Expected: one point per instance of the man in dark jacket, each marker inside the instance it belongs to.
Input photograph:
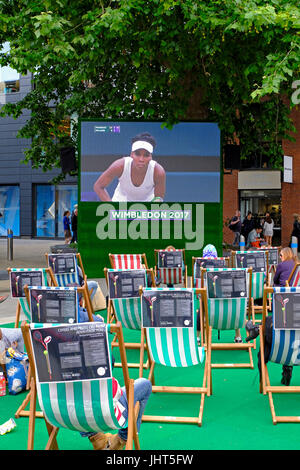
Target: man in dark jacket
(74, 224)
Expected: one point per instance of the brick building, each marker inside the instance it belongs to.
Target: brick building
(261, 190)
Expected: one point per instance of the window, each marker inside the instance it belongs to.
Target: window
(50, 202)
(9, 78)
(9, 210)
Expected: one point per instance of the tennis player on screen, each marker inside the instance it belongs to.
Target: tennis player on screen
(140, 178)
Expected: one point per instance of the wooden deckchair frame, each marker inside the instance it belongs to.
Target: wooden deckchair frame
(87, 300)
(297, 265)
(21, 411)
(265, 386)
(19, 308)
(156, 269)
(142, 255)
(53, 430)
(234, 346)
(204, 390)
(142, 345)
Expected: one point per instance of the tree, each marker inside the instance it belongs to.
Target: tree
(228, 61)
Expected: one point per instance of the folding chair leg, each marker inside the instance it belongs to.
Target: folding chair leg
(52, 442)
(32, 412)
(18, 312)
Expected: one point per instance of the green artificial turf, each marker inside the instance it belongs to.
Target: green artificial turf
(236, 416)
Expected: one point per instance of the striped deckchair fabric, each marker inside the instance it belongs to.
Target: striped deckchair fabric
(128, 261)
(177, 347)
(81, 405)
(229, 314)
(176, 275)
(285, 343)
(285, 348)
(174, 347)
(294, 279)
(128, 312)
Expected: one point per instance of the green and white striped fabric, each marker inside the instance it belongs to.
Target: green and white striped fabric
(80, 406)
(257, 289)
(128, 312)
(85, 406)
(23, 301)
(227, 314)
(174, 347)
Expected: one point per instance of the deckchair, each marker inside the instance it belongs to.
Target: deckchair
(200, 262)
(171, 275)
(294, 277)
(48, 279)
(128, 261)
(127, 311)
(230, 314)
(79, 405)
(21, 411)
(259, 279)
(177, 347)
(64, 279)
(285, 349)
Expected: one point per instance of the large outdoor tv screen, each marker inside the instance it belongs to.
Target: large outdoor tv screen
(145, 161)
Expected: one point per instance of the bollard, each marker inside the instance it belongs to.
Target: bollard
(10, 245)
(242, 243)
(294, 245)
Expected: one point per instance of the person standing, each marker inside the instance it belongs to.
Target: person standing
(296, 229)
(67, 231)
(268, 229)
(236, 226)
(74, 224)
(247, 225)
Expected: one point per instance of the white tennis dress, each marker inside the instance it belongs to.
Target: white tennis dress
(126, 191)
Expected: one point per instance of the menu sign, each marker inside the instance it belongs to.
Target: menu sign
(286, 311)
(208, 263)
(63, 263)
(53, 305)
(170, 259)
(19, 279)
(167, 308)
(252, 259)
(71, 352)
(227, 284)
(125, 283)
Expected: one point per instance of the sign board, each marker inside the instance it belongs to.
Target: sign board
(168, 308)
(288, 169)
(71, 352)
(62, 263)
(226, 284)
(286, 311)
(170, 259)
(19, 279)
(53, 305)
(252, 259)
(125, 283)
(208, 263)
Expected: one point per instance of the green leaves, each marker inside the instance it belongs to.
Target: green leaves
(160, 59)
